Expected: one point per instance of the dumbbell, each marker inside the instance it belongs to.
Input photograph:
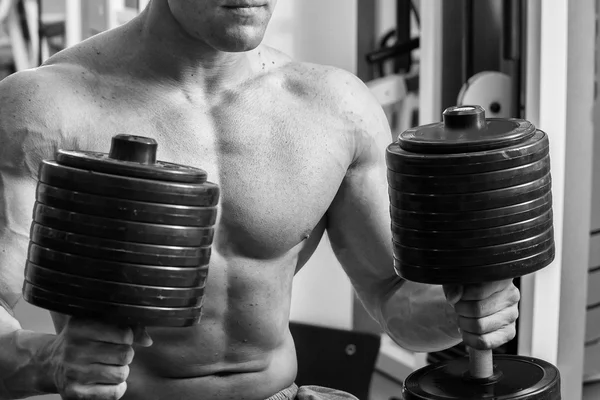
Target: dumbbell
(471, 203)
(121, 236)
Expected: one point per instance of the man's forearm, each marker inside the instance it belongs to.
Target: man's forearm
(419, 318)
(24, 363)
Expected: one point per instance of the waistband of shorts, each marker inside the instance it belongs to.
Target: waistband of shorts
(286, 394)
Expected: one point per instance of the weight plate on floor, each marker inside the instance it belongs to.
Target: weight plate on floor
(474, 256)
(146, 190)
(409, 163)
(118, 313)
(112, 250)
(125, 210)
(519, 378)
(483, 219)
(468, 183)
(126, 231)
(114, 292)
(471, 201)
(465, 129)
(457, 274)
(473, 238)
(151, 275)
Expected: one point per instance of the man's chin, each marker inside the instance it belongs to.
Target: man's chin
(239, 44)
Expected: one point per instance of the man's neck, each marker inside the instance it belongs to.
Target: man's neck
(171, 54)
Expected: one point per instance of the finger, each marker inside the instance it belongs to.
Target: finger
(94, 392)
(107, 353)
(489, 306)
(483, 291)
(480, 326)
(141, 336)
(101, 374)
(490, 340)
(453, 293)
(99, 353)
(90, 329)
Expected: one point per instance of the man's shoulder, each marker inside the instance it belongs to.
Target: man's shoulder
(336, 91)
(328, 86)
(335, 94)
(36, 107)
(47, 87)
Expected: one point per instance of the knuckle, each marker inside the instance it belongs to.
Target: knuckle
(117, 391)
(516, 314)
(479, 326)
(125, 355)
(72, 392)
(483, 342)
(511, 332)
(122, 373)
(125, 335)
(477, 309)
(515, 294)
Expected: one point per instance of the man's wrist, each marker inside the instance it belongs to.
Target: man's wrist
(29, 373)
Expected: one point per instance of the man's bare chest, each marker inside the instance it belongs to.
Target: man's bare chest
(278, 172)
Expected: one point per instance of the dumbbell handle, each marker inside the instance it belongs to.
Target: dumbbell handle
(481, 363)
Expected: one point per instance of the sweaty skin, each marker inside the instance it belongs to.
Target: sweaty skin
(297, 149)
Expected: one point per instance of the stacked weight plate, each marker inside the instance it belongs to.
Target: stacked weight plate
(471, 203)
(121, 236)
(470, 206)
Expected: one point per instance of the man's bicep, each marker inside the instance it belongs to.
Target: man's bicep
(17, 197)
(359, 219)
(27, 137)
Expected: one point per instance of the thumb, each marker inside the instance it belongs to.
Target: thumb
(453, 293)
(141, 336)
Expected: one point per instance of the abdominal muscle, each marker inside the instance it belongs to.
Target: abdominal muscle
(242, 347)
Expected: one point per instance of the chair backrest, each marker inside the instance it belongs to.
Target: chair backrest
(335, 358)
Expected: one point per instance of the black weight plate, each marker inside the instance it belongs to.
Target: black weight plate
(437, 139)
(146, 190)
(482, 219)
(476, 255)
(469, 183)
(112, 250)
(100, 162)
(151, 275)
(519, 378)
(126, 210)
(433, 203)
(113, 292)
(473, 238)
(456, 274)
(118, 313)
(126, 231)
(409, 163)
